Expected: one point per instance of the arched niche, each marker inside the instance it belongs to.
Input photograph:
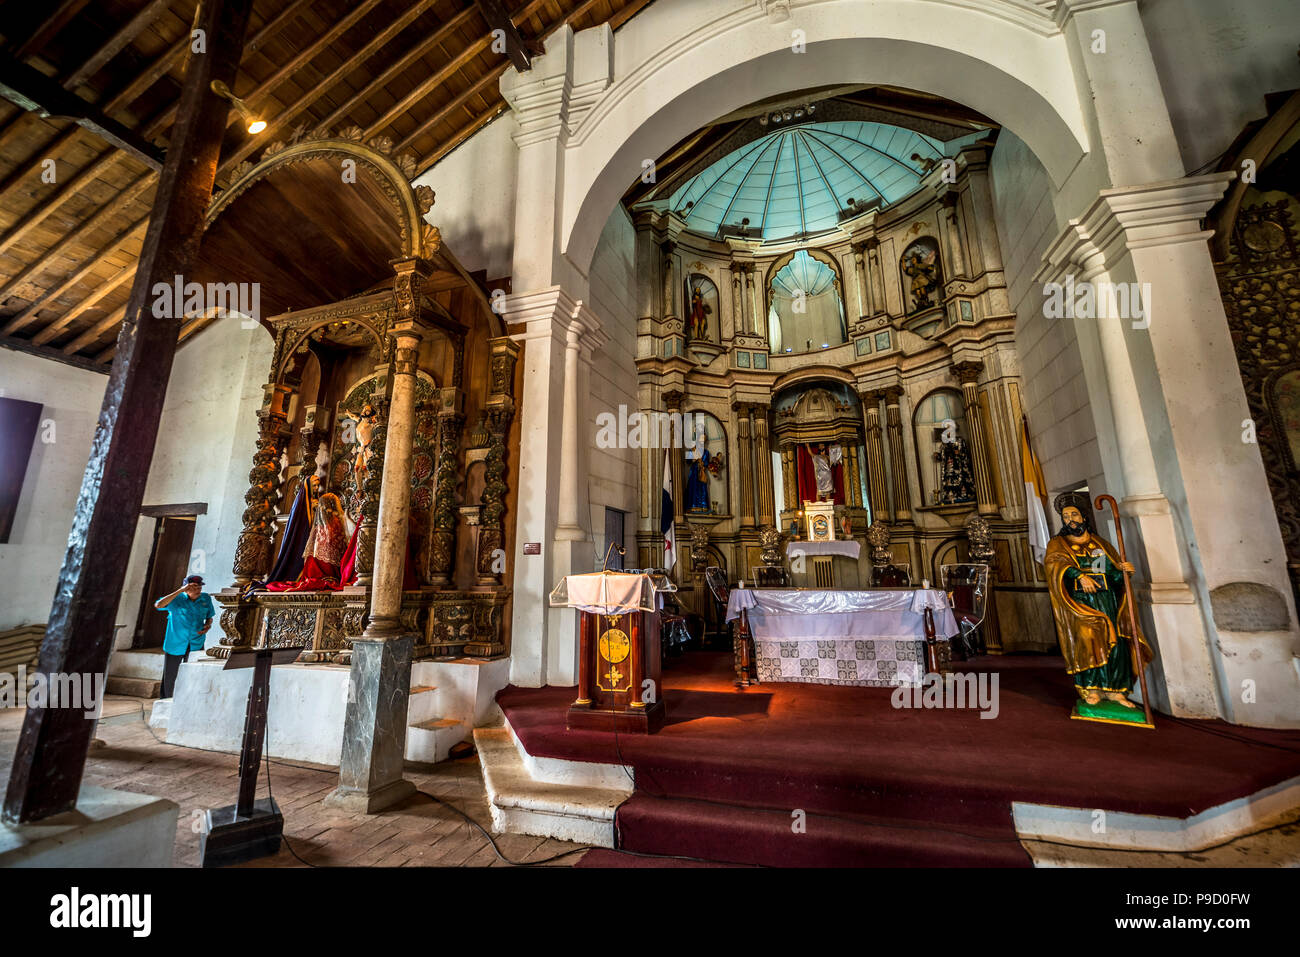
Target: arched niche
(704, 466)
(921, 272)
(943, 448)
(702, 309)
(805, 302)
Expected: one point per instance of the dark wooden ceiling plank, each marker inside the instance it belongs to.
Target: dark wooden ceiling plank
(320, 89)
(484, 82)
(134, 27)
(56, 21)
(420, 48)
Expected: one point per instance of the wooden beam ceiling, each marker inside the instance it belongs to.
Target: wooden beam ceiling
(422, 72)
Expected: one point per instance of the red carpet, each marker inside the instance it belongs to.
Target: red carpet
(886, 786)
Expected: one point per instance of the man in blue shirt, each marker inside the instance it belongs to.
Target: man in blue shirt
(189, 616)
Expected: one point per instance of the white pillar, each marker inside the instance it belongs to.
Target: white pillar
(1195, 493)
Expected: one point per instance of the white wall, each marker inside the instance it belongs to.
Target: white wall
(1216, 62)
(30, 562)
(1055, 392)
(205, 448)
(206, 441)
(614, 474)
(474, 205)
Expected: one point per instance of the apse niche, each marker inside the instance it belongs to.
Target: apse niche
(806, 308)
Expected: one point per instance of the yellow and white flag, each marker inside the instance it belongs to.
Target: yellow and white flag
(1035, 495)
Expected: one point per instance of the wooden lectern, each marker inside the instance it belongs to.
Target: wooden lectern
(619, 686)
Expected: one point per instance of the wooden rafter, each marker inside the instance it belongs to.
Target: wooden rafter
(517, 48)
(421, 97)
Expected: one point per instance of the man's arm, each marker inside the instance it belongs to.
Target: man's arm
(166, 600)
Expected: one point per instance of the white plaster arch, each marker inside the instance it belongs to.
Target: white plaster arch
(664, 88)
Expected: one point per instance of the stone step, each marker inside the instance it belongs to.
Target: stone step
(522, 805)
(135, 687)
(431, 740)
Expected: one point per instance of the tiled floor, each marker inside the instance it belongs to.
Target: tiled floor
(420, 832)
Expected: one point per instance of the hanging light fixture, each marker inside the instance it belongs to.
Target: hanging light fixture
(254, 123)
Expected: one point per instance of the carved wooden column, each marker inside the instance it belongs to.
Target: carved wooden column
(500, 413)
(670, 285)
(745, 475)
(875, 278)
(789, 485)
(967, 374)
(854, 491)
(673, 399)
(442, 542)
(956, 260)
(395, 489)
(865, 306)
(897, 457)
(253, 551)
(737, 300)
(50, 756)
(765, 514)
(371, 487)
(751, 298)
(877, 484)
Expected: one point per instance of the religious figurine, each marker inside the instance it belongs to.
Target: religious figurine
(823, 459)
(921, 265)
(323, 555)
(699, 323)
(697, 483)
(1085, 579)
(365, 431)
(956, 477)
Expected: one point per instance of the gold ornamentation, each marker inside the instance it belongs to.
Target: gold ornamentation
(614, 646)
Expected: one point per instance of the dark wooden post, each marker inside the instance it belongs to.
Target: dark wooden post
(51, 753)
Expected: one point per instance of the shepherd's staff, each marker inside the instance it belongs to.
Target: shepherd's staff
(1135, 641)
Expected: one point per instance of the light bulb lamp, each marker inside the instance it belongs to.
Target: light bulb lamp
(253, 123)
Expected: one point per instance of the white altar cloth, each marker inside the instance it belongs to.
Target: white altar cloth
(848, 548)
(829, 636)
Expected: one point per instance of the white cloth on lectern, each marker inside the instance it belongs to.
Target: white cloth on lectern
(610, 594)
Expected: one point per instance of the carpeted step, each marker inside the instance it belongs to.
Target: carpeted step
(746, 835)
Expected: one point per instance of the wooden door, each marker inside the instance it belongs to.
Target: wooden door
(169, 563)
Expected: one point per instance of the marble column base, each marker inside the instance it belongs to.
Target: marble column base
(357, 801)
(374, 726)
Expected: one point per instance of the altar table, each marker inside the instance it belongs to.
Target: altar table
(825, 636)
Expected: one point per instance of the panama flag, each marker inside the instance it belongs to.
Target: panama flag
(666, 511)
(1035, 494)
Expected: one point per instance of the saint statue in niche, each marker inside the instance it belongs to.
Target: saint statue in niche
(920, 263)
(703, 296)
(823, 460)
(956, 477)
(701, 469)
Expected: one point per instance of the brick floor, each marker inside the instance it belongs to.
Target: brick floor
(421, 832)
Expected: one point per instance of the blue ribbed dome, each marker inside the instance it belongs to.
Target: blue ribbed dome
(796, 180)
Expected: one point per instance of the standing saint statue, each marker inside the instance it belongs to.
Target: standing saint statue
(697, 483)
(699, 323)
(823, 459)
(1085, 579)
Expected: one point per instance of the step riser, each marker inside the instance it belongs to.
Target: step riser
(582, 830)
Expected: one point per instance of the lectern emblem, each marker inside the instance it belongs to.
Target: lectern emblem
(614, 646)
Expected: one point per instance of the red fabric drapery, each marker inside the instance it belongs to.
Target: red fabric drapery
(806, 478)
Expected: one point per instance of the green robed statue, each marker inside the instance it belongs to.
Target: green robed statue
(1085, 578)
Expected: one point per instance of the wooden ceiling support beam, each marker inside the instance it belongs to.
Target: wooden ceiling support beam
(50, 758)
(517, 48)
(33, 90)
(123, 275)
(49, 205)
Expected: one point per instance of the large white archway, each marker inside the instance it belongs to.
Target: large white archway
(664, 89)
